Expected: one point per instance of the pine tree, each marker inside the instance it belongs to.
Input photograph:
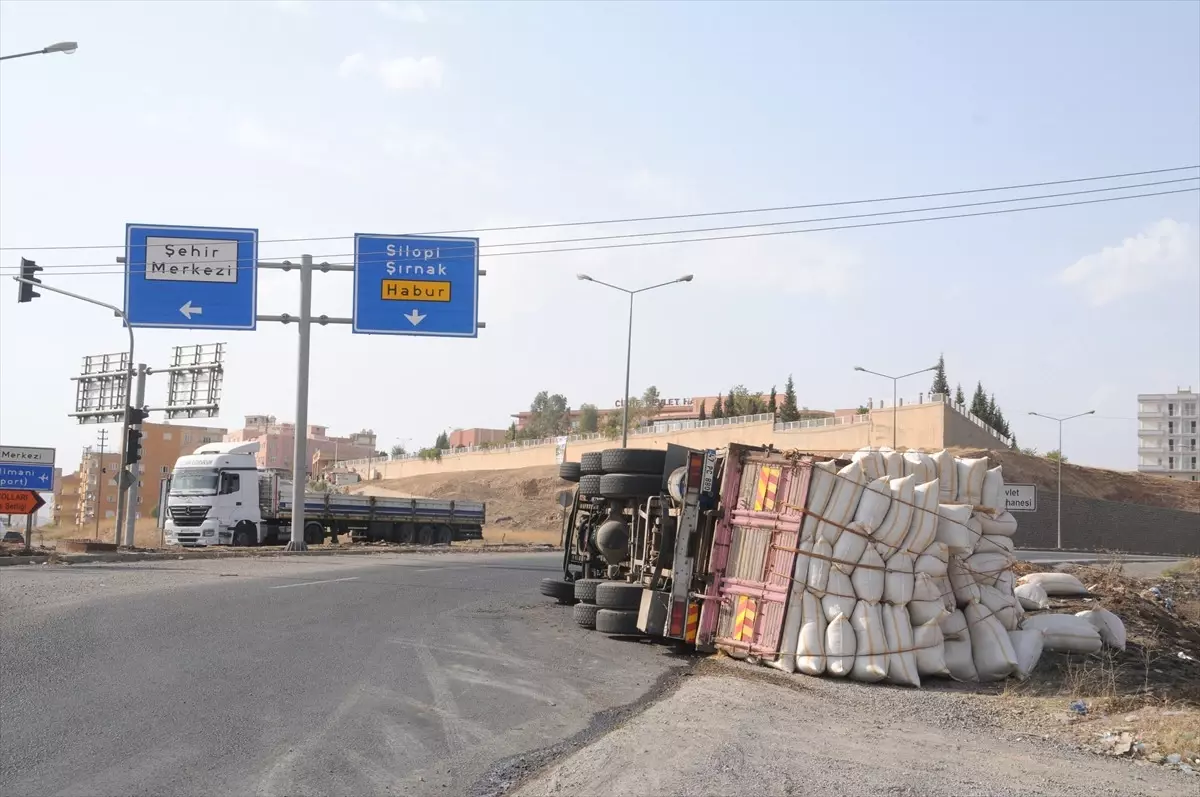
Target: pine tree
(979, 402)
(940, 385)
(442, 442)
(718, 409)
(789, 412)
(702, 416)
(992, 412)
(959, 398)
(772, 406)
(732, 410)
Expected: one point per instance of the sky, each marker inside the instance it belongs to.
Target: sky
(311, 120)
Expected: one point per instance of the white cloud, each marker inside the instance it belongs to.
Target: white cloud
(1163, 252)
(405, 12)
(293, 6)
(409, 74)
(352, 65)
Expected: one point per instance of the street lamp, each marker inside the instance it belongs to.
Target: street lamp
(894, 379)
(1060, 422)
(67, 48)
(629, 341)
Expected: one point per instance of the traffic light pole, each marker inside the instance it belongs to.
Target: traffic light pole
(119, 313)
(136, 426)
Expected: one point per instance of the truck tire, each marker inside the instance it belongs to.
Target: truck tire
(245, 535)
(629, 485)
(426, 535)
(589, 485)
(405, 533)
(445, 535)
(633, 460)
(619, 595)
(585, 590)
(314, 533)
(561, 591)
(590, 464)
(585, 614)
(569, 471)
(617, 622)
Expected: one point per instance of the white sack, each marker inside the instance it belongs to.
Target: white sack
(1032, 596)
(974, 534)
(840, 647)
(868, 578)
(842, 501)
(839, 595)
(954, 625)
(947, 470)
(920, 465)
(1002, 607)
(873, 504)
(1112, 630)
(993, 543)
(947, 589)
(890, 535)
(1001, 525)
(871, 460)
(820, 489)
(930, 650)
(893, 464)
(818, 566)
(810, 653)
(987, 567)
(1055, 584)
(870, 660)
(1065, 633)
(803, 562)
(952, 527)
(902, 659)
(923, 528)
(1027, 644)
(991, 648)
(970, 481)
(922, 612)
(1005, 582)
(898, 584)
(993, 489)
(959, 658)
(850, 547)
(933, 560)
(962, 582)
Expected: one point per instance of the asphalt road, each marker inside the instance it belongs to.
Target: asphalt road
(403, 675)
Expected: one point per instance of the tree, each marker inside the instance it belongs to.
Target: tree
(979, 402)
(1055, 456)
(772, 407)
(940, 385)
(398, 451)
(442, 442)
(589, 418)
(381, 454)
(719, 408)
(992, 412)
(789, 411)
(959, 398)
(732, 410)
(549, 416)
(862, 410)
(511, 434)
(702, 416)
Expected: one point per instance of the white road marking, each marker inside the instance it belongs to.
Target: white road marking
(311, 583)
(445, 567)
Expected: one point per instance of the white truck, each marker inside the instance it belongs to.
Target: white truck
(218, 496)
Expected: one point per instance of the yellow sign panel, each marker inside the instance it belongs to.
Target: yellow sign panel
(415, 290)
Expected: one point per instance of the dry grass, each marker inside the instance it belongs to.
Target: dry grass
(498, 535)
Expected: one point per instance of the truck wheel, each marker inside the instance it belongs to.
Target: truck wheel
(589, 485)
(445, 535)
(569, 471)
(426, 535)
(245, 534)
(590, 464)
(633, 460)
(617, 622)
(314, 533)
(629, 485)
(585, 614)
(585, 589)
(405, 533)
(619, 595)
(561, 591)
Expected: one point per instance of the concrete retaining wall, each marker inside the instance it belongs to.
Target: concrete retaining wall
(1090, 524)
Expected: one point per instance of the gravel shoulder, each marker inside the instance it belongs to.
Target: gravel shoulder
(733, 729)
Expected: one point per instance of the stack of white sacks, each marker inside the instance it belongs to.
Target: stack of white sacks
(905, 571)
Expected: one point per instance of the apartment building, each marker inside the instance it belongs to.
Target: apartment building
(1169, 434)
(276, 443)
(96, 490)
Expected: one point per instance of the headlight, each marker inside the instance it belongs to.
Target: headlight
(209, 532)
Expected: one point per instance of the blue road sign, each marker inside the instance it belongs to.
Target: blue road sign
(26, 477)
(191, 277)
(416, 285)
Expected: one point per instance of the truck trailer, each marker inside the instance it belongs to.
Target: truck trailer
(218, 496)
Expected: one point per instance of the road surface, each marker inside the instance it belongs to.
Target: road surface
(389, 674)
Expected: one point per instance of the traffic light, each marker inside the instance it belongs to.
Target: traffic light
(133, 437)
(28, 270)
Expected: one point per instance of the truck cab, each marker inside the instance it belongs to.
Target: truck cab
(213, 497)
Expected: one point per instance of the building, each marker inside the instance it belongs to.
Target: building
(162, 444)
(277, 441)
(66, 497)
(1168, 434)
(464, 438)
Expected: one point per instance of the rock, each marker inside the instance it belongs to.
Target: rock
(1174, 759)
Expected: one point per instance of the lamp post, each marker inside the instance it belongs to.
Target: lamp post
(629, 341)
(895, 380)
(1060, 422)
(67, 48)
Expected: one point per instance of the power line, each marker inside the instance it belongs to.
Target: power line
(452, 249)
(640, 219)
(770, 233)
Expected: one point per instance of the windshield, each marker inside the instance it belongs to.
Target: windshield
(193, 481)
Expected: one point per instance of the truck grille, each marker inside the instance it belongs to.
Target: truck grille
(188, 515)
(188, 537)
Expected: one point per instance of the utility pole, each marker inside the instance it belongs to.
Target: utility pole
(99, 483)
(134, 432)
(1060, 422)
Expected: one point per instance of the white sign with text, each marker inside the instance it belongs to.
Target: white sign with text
(1020, 497)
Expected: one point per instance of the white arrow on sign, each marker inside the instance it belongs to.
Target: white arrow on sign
(415, 317)
(188, 311)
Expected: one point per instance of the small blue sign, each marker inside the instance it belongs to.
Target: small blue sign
(26, 477)
(191, 277)
(416, 285)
